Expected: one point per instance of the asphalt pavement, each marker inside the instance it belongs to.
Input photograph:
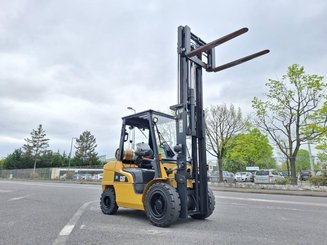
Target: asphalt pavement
(62, 213)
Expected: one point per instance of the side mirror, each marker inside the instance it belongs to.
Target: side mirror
(168, 150)
(117, 154)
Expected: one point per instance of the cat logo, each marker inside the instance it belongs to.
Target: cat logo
(120, 178)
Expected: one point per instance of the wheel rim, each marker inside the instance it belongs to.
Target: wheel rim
(158, 205)
(107, 201)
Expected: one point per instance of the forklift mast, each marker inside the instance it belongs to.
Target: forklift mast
(194, 55)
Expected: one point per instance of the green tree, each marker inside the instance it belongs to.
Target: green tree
(251, 149)
(222, 124)
(37, 145)
(49, 159)
(302, 160)
(17, 160)
(292, 112)
(285, 167)
(59, 160)
(2, 161)
(234, 166)
(85, 149)
(13, 159)
(322, 157)
(20, 160)
(55, 159)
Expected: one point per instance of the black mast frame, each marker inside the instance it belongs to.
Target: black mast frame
(194, 54)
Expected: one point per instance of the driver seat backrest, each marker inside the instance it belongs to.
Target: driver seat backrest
(141, 177)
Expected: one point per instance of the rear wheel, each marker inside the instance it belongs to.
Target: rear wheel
(211, 208)
(108, 202)
(162, 204)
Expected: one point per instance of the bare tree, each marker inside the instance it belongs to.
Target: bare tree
(222, 123)
(37, 144)
(292, 112)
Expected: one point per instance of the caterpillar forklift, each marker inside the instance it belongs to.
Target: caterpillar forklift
(161, 165)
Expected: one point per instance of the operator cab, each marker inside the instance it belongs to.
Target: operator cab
(145, 136)
(146, 139)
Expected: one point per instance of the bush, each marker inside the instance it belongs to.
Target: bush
(319, 180)
(283, 181)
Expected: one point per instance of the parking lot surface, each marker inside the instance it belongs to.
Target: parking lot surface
(59, 213)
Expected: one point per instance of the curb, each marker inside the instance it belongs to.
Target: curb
(276, 192)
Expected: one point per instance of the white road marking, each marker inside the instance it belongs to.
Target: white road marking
(155, 232)
(124, 229)
(273, 201)
(69, 227)
(238, 204)
(95, 208)
(55, 185)
(281, 208)
(66, 230)
(241, 205)
(82, 227)
(5, 191)
(17, 198)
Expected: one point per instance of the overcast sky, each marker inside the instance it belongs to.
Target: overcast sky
(77, 65)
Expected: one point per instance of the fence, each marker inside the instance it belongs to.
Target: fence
(52, 173)
(42, 173)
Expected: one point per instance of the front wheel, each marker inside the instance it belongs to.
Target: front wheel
(108, 202)
(211, 208)
(162, 204)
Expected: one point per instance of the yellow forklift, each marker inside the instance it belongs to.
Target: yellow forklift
(162, 168)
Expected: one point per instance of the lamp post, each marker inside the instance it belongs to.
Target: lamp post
(310, 159)
(133, 132)
(70, 153)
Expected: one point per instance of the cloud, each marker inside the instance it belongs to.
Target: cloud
(77, 65)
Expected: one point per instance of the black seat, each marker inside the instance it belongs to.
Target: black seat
(141, 177)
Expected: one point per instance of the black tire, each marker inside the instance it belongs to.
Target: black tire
(108, 202)
(162, 204)
(212, 204)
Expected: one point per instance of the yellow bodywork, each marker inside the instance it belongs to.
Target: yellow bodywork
(124, 190)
